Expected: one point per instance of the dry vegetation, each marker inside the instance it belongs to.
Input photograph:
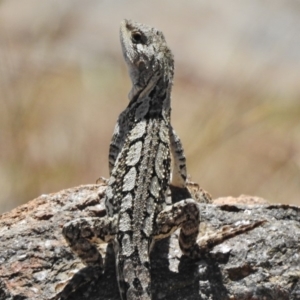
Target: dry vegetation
(63, 83)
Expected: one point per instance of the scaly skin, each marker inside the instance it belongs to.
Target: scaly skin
(140, 173)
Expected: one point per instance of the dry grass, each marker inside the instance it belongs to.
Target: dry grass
(58, 112)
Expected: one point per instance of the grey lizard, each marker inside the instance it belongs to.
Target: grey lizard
(142, 148)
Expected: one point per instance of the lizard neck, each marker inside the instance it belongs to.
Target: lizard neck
(157, 93)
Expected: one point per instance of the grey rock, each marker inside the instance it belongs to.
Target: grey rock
(263, 263)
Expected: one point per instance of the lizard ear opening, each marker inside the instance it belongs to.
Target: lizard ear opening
(141, 66)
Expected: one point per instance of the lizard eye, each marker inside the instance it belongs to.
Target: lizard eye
(137, 37)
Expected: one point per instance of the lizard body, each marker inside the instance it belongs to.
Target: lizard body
(140, 154)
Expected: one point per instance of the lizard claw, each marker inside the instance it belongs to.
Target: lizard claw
(102, 180)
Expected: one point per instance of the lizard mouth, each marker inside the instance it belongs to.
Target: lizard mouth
(125, 29)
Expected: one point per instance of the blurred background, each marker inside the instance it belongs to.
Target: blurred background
(236, 95)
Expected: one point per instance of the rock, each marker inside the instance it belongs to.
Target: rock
(263, 263)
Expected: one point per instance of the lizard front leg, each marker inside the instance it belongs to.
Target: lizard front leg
(179, 182)
(179, 172)
(118, 138)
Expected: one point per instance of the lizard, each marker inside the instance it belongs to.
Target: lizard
(141, 151)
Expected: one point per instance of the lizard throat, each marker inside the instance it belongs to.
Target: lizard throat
(153, 89)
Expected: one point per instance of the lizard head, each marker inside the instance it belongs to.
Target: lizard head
(146, 53)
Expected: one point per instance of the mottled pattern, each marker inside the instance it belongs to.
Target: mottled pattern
(140, 173)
